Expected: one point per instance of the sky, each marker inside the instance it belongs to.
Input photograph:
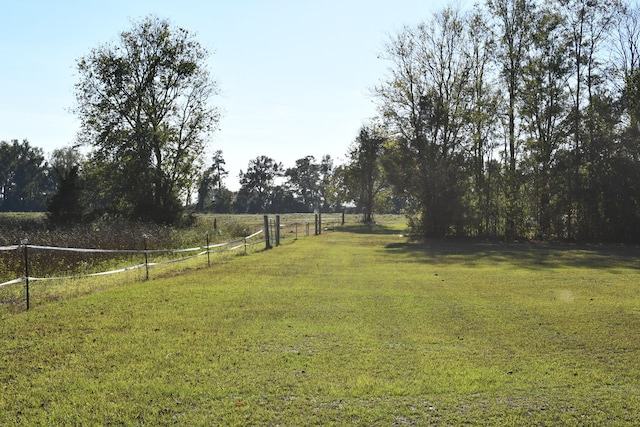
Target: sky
(295, 76)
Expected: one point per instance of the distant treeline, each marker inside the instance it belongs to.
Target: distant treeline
(511, 119)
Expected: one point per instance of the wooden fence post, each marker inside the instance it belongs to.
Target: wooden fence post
(266, 232)
(277, 230)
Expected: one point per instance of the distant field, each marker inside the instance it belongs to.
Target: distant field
(353, 327)
(121, 234)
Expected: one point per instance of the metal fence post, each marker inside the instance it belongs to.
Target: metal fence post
(208, 253)
(146, 256)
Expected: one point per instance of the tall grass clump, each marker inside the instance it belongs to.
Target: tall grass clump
(120, 234)
(103, 233)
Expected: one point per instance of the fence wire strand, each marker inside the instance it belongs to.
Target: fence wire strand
(203, 250)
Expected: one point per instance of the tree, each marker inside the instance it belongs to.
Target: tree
(514, 33)
(257, 184)
(335, 189)
(483, 116)
(143, 106)
(364, 174)
(544, 109)
(218, 170)
(587, 27)
(66, 205)
(24, 179)
(326, 173)
(425, 104)
(306, 180)
(210, 183)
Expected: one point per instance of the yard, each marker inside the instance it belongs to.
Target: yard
(358, 326)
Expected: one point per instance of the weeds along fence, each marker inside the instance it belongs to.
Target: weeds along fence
(114, 261)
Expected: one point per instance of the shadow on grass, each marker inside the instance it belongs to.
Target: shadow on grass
(368, 229)
(529, 255)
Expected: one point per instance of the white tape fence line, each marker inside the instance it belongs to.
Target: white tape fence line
(203, 250)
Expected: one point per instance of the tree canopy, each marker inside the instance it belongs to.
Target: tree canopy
(144, 108)
(25, 181)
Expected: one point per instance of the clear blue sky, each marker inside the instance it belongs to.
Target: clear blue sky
(295, 75)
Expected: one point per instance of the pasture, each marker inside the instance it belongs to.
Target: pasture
(357, 326)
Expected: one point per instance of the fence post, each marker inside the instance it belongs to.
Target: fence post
(146, 257)
(277, 230)
(342, 216)
(25, 242)
(208, 254)
(245, 240)
(272, 234)
(266, 232)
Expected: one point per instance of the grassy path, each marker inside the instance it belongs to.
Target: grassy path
(341, 329)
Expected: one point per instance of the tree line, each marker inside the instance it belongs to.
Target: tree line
(144, 108)
(65, 186)
(514, 118)
(517, 118)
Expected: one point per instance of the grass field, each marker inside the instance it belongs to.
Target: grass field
(119, 234)
(353, 327)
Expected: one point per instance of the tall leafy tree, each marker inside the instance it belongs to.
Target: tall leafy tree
(211, 182)
(587, 27)
(25, 182)
(144, 107)
(307, 180)
(258, 184)
(326, 173)
(483, 117)
(335, 189)
(364, 174)
(425, 102)
(544, 109)
(66, 205)
(566, 94)
(513, 21)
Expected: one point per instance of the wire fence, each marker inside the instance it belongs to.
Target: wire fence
(270, 235)
(185, 254)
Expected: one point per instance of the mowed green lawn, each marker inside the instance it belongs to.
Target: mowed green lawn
(353, 327)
